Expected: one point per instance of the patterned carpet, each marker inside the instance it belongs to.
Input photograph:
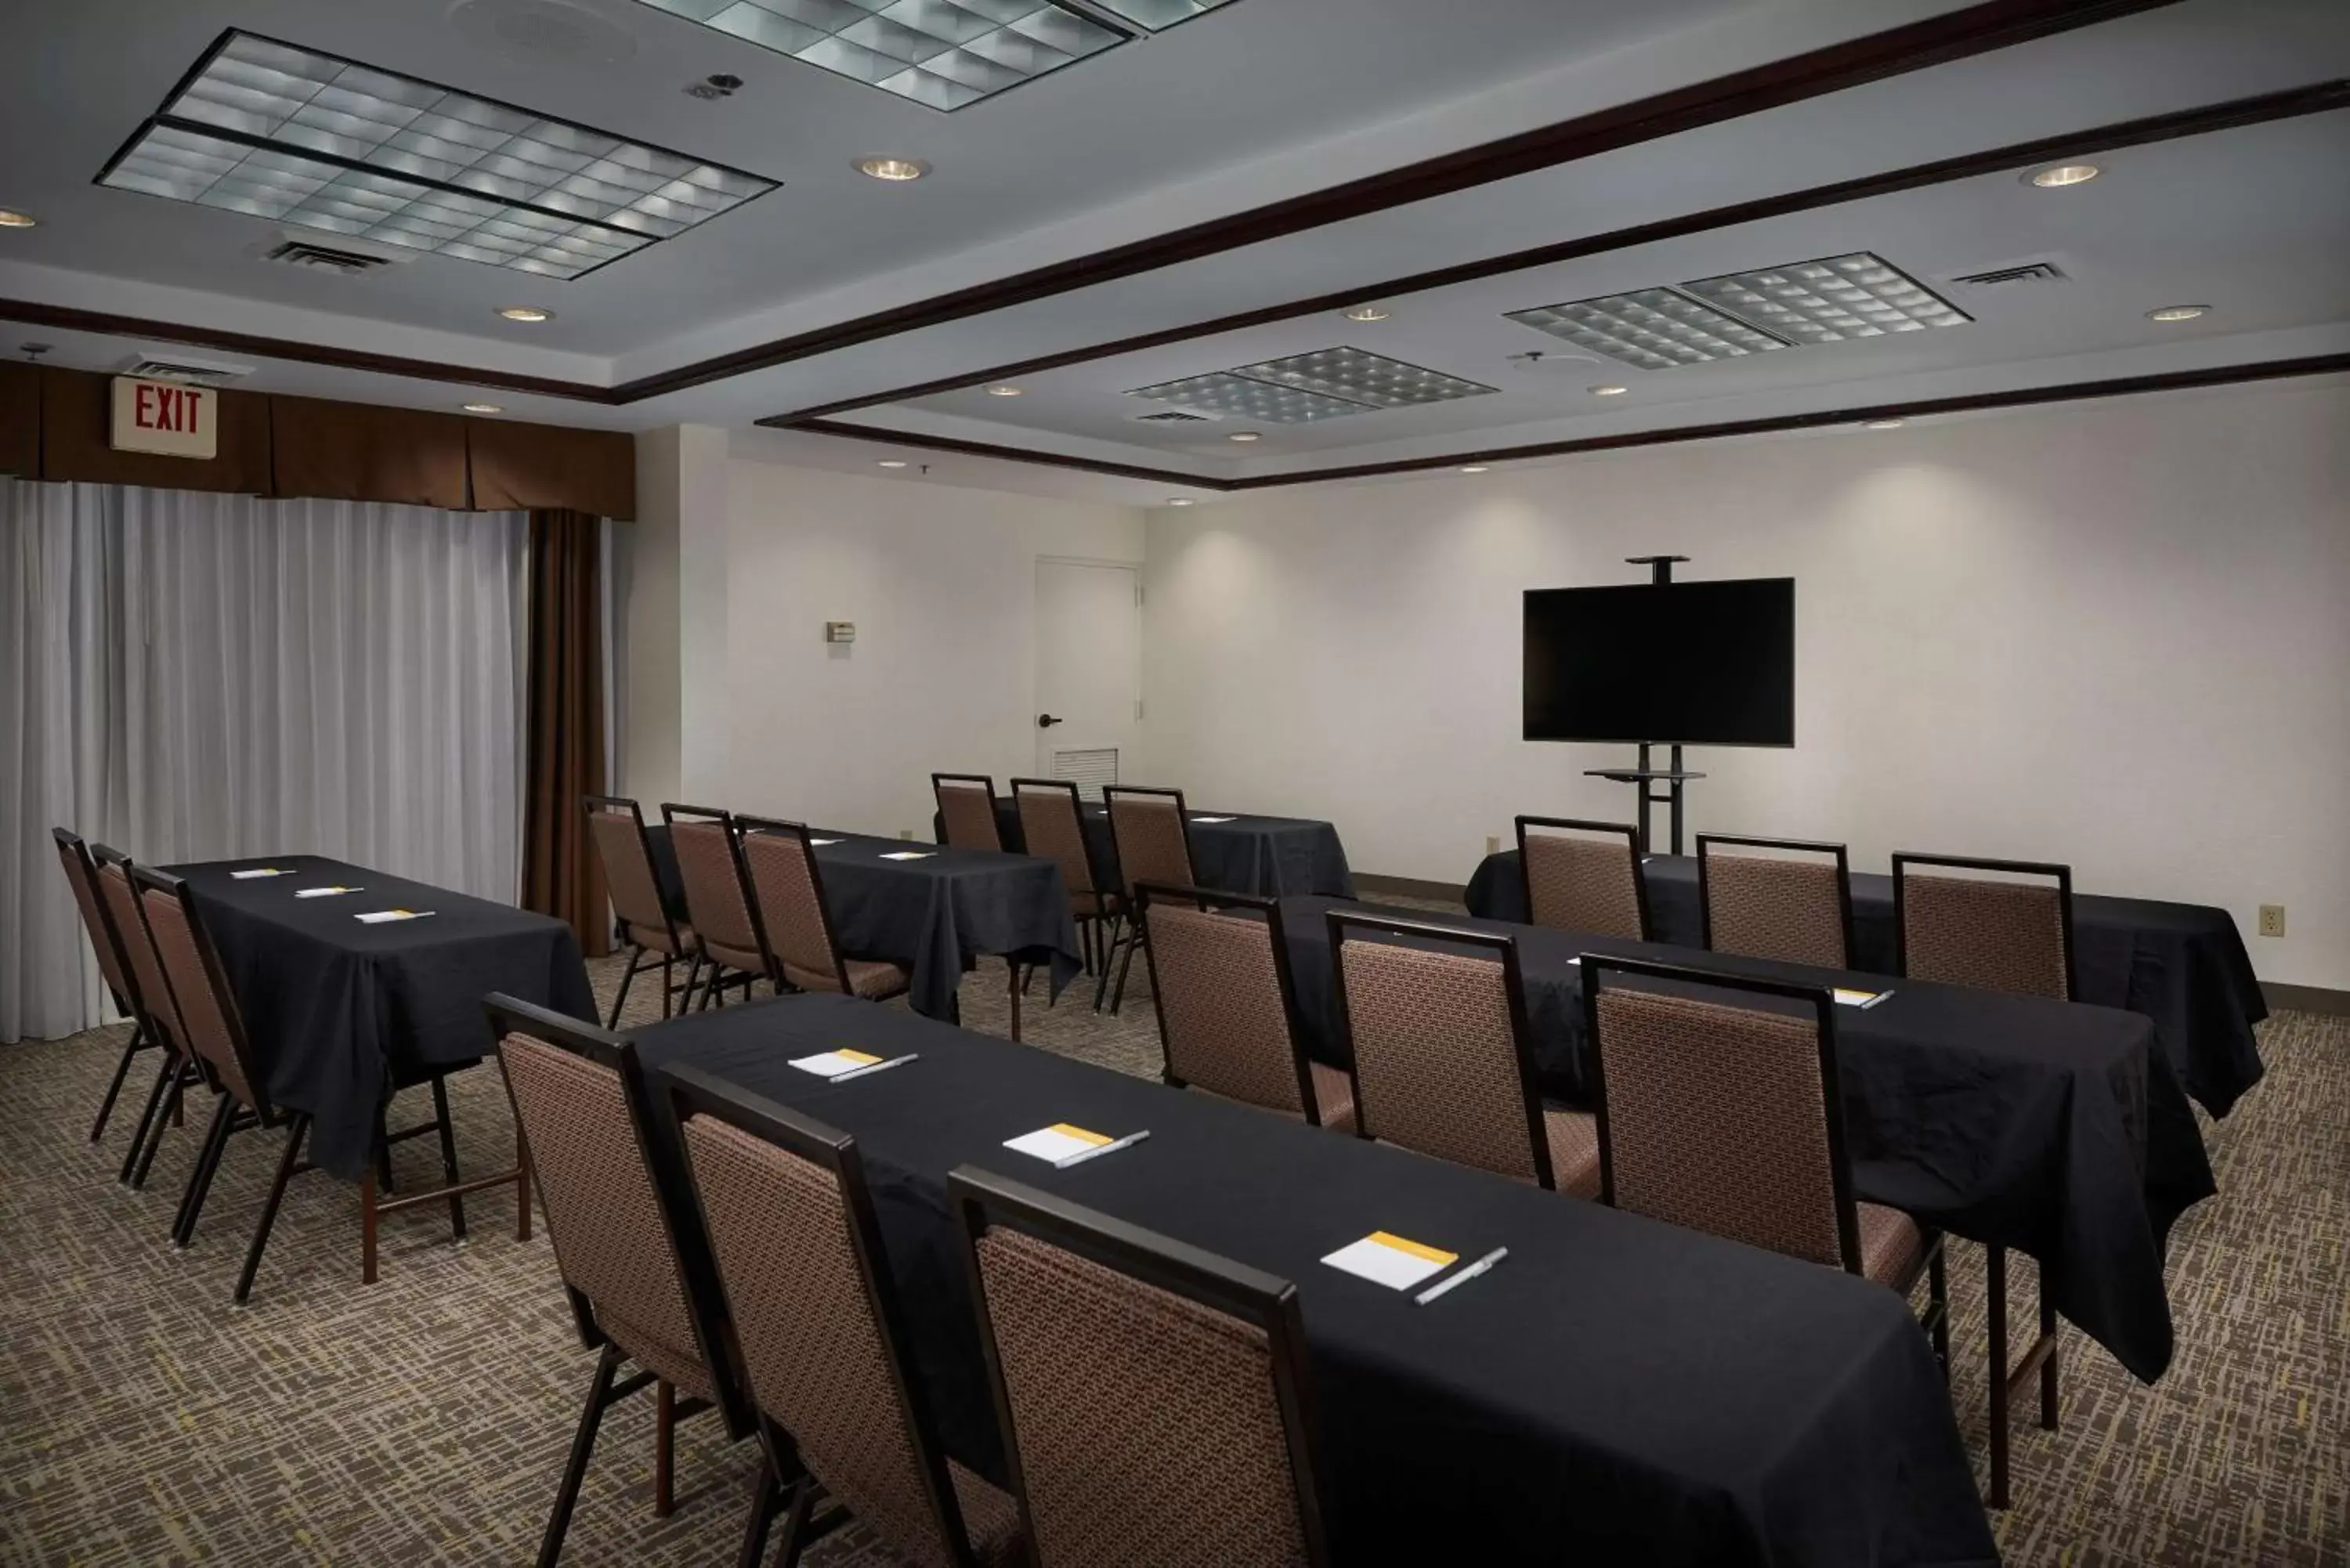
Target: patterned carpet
(144, 1421)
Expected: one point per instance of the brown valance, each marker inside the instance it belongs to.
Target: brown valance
(551, 467)
(56, 424)
(356, 452)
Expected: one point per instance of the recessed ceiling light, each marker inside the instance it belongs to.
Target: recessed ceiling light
(896, 170)
(1329, 383)
(484, 409)
(9, 219)
(526, 312)
(1367, 313)
(1006, 390)
(1178, 501)
(2065, 174)
(1830, 301)
(299, 136)
(1649, 329)
(1609, 391)
(2177, 313)
(1885, 424)
(1474, 468)
(891, 462)
(1244, 435)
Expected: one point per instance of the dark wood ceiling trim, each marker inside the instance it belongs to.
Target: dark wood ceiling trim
(1914, 408)
(1937, 41)
(2318, 98)
(65, 318)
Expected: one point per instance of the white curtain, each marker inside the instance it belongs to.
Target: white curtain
(191, 677)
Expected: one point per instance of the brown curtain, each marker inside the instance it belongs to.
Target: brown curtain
(560, 874)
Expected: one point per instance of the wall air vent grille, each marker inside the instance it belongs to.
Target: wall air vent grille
(324, 258)
(1174, 417)
(2029, 272)
(193, 374)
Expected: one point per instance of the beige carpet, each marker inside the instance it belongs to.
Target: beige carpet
(143, 1421)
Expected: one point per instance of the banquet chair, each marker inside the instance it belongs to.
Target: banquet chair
(1155, 1400)
(1053, 827)
(1227, 1007)
(719, 906)
(793, 923)
(1149, 829)
(967, 810)
(114, 967)
(840, 1406)
(150, 993)
(2000, 925)
(1789, 905)
(1721, 1111)
(1439, 1043)
(1584, 877)
(617, 827)
(627, 1236)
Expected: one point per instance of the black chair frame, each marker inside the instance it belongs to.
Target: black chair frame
(72, 845)
(983, 1201)
(182, 1070)
(1093, 929)
(2059, 874)
(1125, 885)
(1631, 835)
(638, 954)
(1269, 911)
(986, 781)
(1493, 944)
(713, 992)
(1705, 843)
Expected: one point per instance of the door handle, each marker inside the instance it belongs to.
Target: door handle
(1046, 721)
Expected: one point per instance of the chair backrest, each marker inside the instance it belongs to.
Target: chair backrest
(967, 810)
(815, 1312)
(81, 876)
(150, 992)
(1052, 827)
(211, 1025)
(1721, 1116)
(2008, 926)
(627, 1235)
(1227, 1010)
(1148, 827)
(1154, 1397)
(1790, 904)
(788, 890)
(1584, 876)
(617, 827)
(717, 892)
(1440, 1042)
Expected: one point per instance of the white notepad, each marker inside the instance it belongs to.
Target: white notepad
(909, 854)
(1389, 1260)
(1057, 1142)
(823, 841)
(378, 917)
(260, 871)
(1845, 998)
(1211, 819)
(833, 1063)
(325, 892)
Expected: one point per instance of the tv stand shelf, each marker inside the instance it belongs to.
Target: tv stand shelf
(1639, 775)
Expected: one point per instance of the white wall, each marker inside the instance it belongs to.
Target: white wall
(2112, 633)
(940, 583)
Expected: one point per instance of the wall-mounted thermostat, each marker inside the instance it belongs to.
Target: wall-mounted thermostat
(840, 631)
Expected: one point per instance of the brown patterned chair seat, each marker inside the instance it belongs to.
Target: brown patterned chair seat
(991, 1519)
(737, 958)
(1891, 1246)
(869, 978)
(1333, 1098)
(657, 938)
(681, 1368)
(1573, 1139)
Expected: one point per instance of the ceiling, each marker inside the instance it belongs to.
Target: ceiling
(1255, 102)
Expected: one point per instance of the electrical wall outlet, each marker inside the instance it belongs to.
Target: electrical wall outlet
(1492, 843)
(906, 833)
(2271, 919)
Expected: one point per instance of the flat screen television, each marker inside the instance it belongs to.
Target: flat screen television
(1710, 664)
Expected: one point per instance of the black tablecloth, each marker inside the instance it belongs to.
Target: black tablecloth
(1271, 857)
(2056, 1128)
(932, 915)
(2182, 965)
(342, 1013)
(1616, 1391)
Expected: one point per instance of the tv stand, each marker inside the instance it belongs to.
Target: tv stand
(1674, 778)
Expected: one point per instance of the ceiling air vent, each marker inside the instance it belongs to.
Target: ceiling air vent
(1174, 417)
(195, 372)
(324, 258)
(2028, 272)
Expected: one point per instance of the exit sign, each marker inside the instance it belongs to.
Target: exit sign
(165, 416)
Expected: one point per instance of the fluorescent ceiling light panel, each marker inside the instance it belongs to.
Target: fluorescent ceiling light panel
(1363, 377)
(1157, 14)
(941, 53)
(1226, 392)
(303, 138)
(1830, 301)
(1653, 328)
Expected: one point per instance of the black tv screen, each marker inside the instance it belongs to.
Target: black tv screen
(1694, 663)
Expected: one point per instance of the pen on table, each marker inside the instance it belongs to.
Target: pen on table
(876, 1068)
(1470, 1272)
(1084, 1155)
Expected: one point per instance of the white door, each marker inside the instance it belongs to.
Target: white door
(1088, 670)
